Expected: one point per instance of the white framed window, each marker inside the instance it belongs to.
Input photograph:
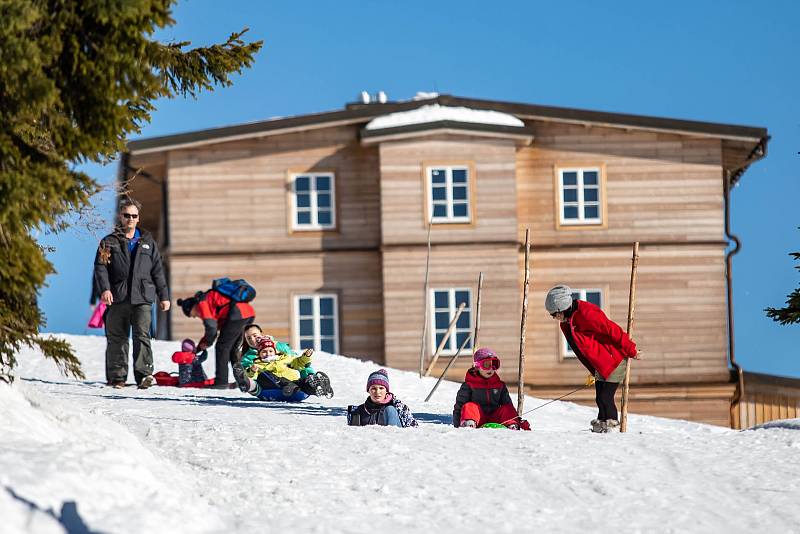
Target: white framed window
(316, 322)
(579, 196)
(444, 303)
(313, 201)
(595, 296)
(448, 193)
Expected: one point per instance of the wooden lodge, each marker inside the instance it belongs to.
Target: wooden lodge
(327, 216)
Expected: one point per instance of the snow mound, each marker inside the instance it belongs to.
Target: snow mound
(437, 112)
(180, 460)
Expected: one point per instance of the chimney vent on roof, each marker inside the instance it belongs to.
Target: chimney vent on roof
(379, 98)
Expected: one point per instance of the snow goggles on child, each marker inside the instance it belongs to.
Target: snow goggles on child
(488, 363)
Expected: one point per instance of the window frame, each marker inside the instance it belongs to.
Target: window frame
(451, 347)
(601, 221)
(314, 225)
(315, 316)
(450, 219)
(566, 352)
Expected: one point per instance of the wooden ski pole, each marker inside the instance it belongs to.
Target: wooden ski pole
(478, 310)
(447, 334)
(427, 304)
(449, 364)
(623, 424)
(523, 325)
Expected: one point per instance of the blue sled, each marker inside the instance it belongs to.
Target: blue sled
(277, 395)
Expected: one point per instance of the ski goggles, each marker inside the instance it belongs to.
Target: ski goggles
(487, 364)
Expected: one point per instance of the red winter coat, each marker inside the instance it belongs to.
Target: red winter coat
(598, 342)
(488, 393)
(216, 309)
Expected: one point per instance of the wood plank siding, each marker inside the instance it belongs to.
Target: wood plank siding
(278, 277)
(234, 196)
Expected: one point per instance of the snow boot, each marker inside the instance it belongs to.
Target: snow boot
(117, 384)
(468, 423)
(324, 384)
(147, 382)
(289, 389)
(597, 426)
(610, 426)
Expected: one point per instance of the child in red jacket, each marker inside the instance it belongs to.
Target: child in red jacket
(483, 397)
(599, 344)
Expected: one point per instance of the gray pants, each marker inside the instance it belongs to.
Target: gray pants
(120, 318)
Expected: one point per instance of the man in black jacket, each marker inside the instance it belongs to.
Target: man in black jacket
(129, 275)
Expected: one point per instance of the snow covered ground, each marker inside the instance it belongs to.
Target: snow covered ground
(77, 456)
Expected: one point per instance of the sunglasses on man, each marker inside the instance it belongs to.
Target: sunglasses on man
(131, 215)
(489, 363)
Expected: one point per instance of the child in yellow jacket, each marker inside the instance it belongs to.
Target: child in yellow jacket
(270, 369)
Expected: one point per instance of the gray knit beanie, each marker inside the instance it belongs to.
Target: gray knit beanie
(558, 299)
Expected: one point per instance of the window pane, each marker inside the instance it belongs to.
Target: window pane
(306, 344)
(570, 195)
(439, 338)
(440, 210)
(326, 345)
(460, 337)
(459, 176)
(437, 176)
(324, 200)
(442, 320)
(306, 307)
(439, 193)
(591, 212)
(463, 320)
(570, 178)
(303, 200)
(459, 193)
(324, 217)
(570, 212)
(459, 210)
(590, 194)
(326, 327)
(326, 306)
(593, 297)
(303, 217)
(302, 183)
(440, 299)
(462, 296)
(590, 178)
(323, 183)
(306, 327)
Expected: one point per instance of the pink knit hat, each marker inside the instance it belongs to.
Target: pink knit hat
(378, 378)
(187, 345)
(485, 353)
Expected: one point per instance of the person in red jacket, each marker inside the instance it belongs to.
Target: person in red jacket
(483, 397)
(224, 320)
(599, 344)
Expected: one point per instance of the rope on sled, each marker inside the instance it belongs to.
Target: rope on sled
(546, 403)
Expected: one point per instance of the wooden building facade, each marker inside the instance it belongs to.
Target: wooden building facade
(327, 215)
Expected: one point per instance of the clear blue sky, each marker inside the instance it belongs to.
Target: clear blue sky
(732, 62)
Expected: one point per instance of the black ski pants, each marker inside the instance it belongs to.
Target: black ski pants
(604, 396)
(120, 318)
(227, 350)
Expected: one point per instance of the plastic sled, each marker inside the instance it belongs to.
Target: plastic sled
(164, 378)
(277, 395)
(493, 425)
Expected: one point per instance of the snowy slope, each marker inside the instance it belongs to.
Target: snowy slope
(168, 459)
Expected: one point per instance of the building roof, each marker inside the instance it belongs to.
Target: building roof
(362, 113)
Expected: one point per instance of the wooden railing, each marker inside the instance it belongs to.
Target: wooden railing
(766, 398)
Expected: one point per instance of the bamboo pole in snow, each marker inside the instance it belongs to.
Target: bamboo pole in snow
(427, 305)
(447, 334)
(623, 424)
(478, 311)
(523, 325)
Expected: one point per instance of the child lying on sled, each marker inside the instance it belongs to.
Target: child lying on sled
(267, 369)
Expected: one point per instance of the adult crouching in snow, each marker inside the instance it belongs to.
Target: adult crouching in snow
(224, 320)
(599, 344)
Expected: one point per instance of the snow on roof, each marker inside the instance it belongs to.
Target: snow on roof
(437, 112)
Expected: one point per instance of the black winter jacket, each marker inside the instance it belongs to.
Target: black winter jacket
(140, 283)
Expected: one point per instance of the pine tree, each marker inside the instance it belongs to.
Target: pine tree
(791, 313)
(77, 77)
